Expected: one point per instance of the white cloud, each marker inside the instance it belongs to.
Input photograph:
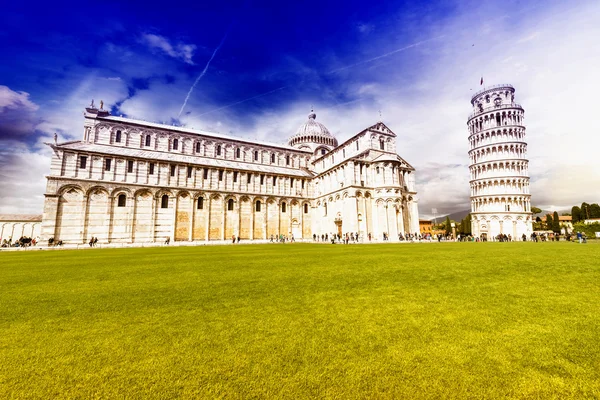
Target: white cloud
(22, 178)
(15, 100)
(182, 51)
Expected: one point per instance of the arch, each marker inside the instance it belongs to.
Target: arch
(68, 187)
(120, 189)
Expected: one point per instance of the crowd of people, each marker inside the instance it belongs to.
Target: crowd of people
(24, 241)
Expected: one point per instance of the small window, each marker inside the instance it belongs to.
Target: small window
(220, 175)
(291, 182)
(356, 145)
(164, 202)
(197, 147)
(205, 172)
(200, 204)
(172, 170)
(272, 158)
(230, 205)
(82, 162)
(122, 200)
(325, 206)
(235, 174)
(323, 151)
(381, 145)
(189, 172)
(305, 208)
(302, 183)
(256, 156)
(130, 166)
(274, 181)
(151, 172)
(377, 169)
(118, 137)
(258, 206)
(107, 164)
(262, 179)
(219, 150)
(249, 178)
(287, 160)
(175, 144)
(283, 206)
(238, 153)
(148, 139)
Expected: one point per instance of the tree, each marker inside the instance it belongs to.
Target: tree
(555, 223)
(548, 221)
(576, 214)
(467, 225)
(585, 211)
(595, 210)
(448, 226)
(536, 210)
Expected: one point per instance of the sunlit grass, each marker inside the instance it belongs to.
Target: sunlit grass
(461, 320)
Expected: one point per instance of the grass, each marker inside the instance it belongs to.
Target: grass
(456, 320)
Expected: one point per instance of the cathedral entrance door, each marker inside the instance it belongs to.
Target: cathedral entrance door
(338, 223)
(296, 231)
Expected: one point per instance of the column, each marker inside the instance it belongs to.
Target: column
(252, 211)
(207, 204)
(49, 220)
(153, 228)
(192, 216)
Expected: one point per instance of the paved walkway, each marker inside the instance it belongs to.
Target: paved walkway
(178, 244)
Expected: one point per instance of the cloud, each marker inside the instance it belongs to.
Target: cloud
(22, 178)
(17, 113)
(182, 51)
(15, 100)
(365, 28)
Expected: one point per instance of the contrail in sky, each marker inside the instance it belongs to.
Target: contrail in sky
(385, 55)
(243, 101)
(204, 70)
(330, 72)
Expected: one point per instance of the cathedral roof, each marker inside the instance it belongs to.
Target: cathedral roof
(173, 129)
(313, 132)
(21, 217)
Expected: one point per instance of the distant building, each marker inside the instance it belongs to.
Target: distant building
(15, 226)
(566, 223)
(425, 226)
(592, 221)
(499, 168)
(134, 181)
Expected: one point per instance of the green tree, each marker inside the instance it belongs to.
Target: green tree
(536, 210)
(448, 226)
(548, 221)
(576, 214)
(595, 210)
(585, 211)
(555, 223)
(467, 225)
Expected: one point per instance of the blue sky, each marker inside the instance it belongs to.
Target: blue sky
(418, 63)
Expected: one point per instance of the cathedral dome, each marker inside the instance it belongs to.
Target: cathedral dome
(313, 132)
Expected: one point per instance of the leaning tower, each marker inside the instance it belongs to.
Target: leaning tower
(500, 199)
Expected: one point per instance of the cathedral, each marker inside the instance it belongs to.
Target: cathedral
(131, 181)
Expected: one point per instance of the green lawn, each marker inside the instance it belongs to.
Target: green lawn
(456, 320)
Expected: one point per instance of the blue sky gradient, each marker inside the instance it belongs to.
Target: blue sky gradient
(417, 62)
